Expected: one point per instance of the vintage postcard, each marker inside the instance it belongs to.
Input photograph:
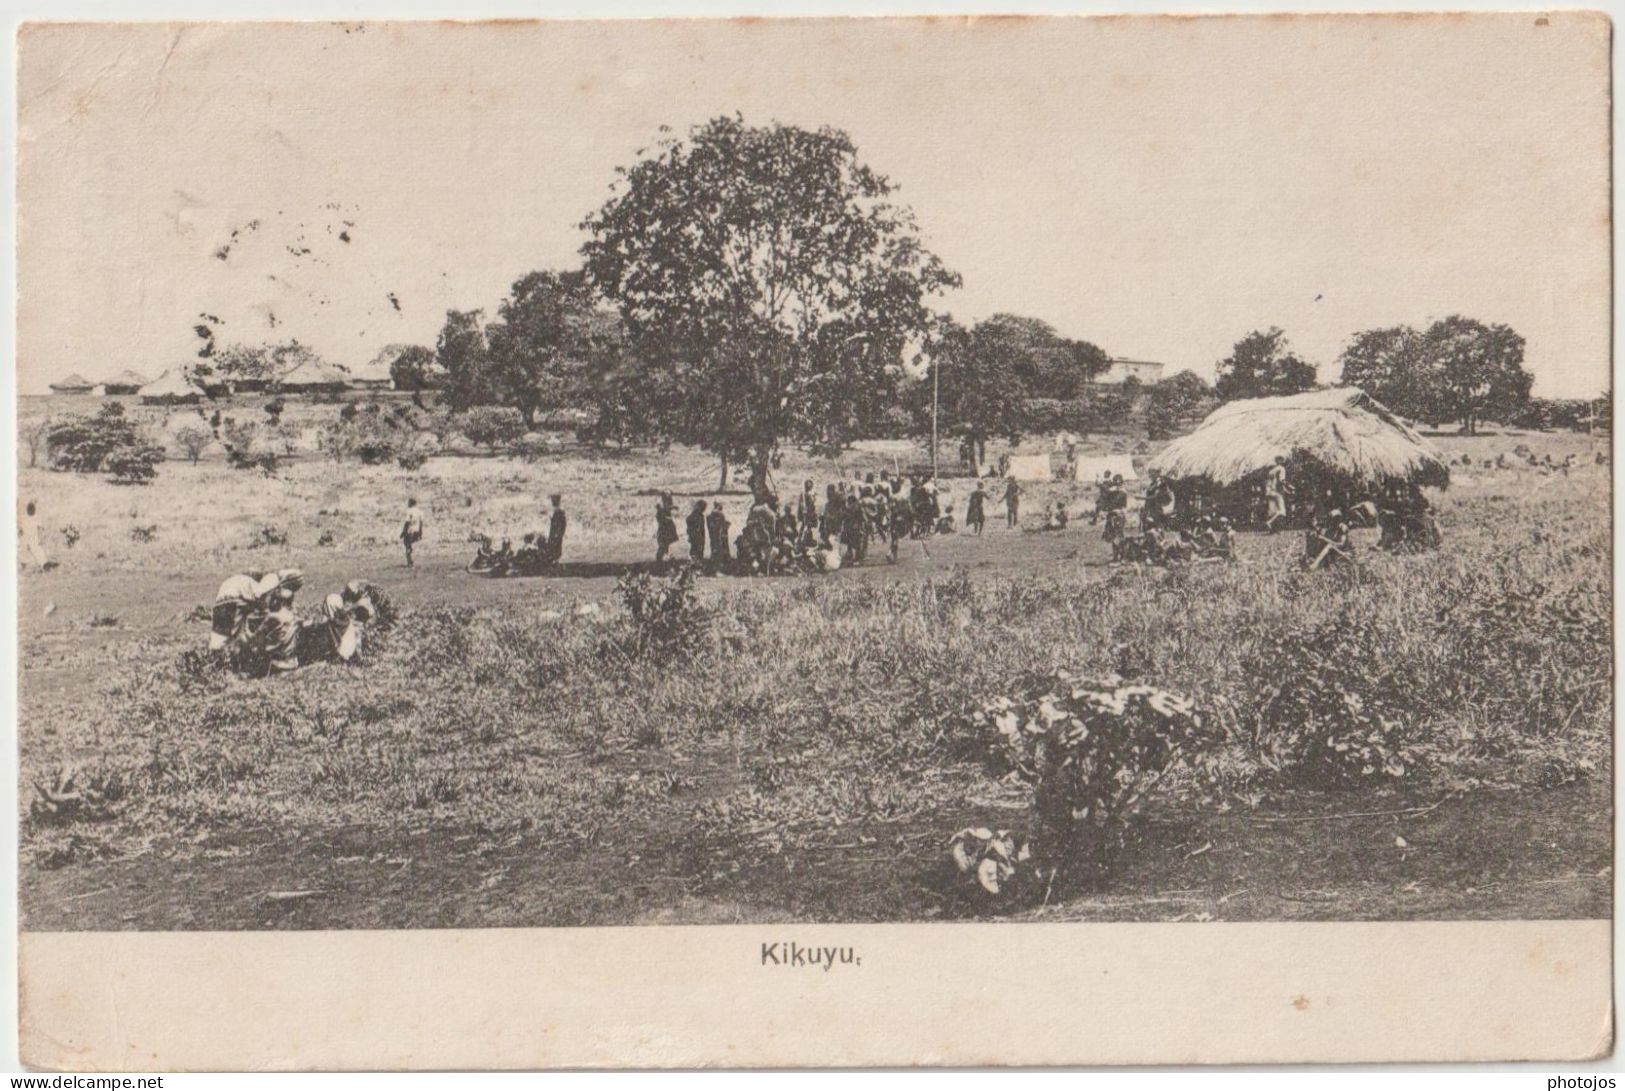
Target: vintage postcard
(951, 541)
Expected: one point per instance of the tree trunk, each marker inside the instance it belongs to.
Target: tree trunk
(761, 474)
(722, 482)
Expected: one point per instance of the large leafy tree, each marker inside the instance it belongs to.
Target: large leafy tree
(539, 353)
(1262, 365)
(980, 392)
(1392, 365)
(1046, 364)
(768, 282)
(1479, 371)
(1178, 399)
(464, 355)
(411, 367)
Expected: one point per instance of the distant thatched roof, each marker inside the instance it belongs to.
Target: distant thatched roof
(127, 377)
(173, 383)
(1343, 429)
(314, 373)
(75, 381)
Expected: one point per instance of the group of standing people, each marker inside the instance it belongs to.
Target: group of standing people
(821, 531)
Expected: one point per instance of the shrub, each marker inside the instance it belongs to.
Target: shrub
(71, 535)
(144, 534)
(365, 434)
(1093, 748)
(666, 620)
(532, 447)
(491, 426)
(247, 447)
(34, 435)
(411, 460)
(267, 536)
(134, 464)
(193, 440)
(82, 444)
(70, 794)
(1331, 704)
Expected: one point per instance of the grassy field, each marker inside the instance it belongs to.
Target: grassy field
(504, 761)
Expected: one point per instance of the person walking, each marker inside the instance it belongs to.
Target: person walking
(976, 509)
(411, 528)
(1012, 503)
(665, 526)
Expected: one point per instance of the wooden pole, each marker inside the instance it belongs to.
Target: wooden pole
(935, 389)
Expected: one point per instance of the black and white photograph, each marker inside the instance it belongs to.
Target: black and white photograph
(792, 473)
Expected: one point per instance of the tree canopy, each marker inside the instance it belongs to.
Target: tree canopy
(1047, 364)
(1459, 369)
(768, 283)
(1177, 399)
(541, 352)
(1479, 368)
(411, 367)
(1262, 365)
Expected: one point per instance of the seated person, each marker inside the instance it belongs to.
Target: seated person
(345, 616)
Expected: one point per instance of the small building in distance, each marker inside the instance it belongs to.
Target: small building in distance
(72, 384)
(1122, 369)
(125, 382)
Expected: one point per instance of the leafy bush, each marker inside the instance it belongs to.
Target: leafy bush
(193, 440)
(1093, 748)
(532, 447)
(144, 534)
(1332, 704)
(491, 426)
(666, 620)
(411, 460)
(134, 464)
(268, 536)
(247, 446)
(72, 794)
(83, 444)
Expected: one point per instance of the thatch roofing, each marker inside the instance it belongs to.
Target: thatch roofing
(1343, 429)
(314, 373)
(173, 383)
(126, 377)
(74, 382)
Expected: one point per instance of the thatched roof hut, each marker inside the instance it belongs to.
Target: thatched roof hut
(1344, 431)
(125, 382)
(73, 384)
(312, 376)
(171, 387)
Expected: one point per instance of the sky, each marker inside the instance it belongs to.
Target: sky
(1159, 187)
